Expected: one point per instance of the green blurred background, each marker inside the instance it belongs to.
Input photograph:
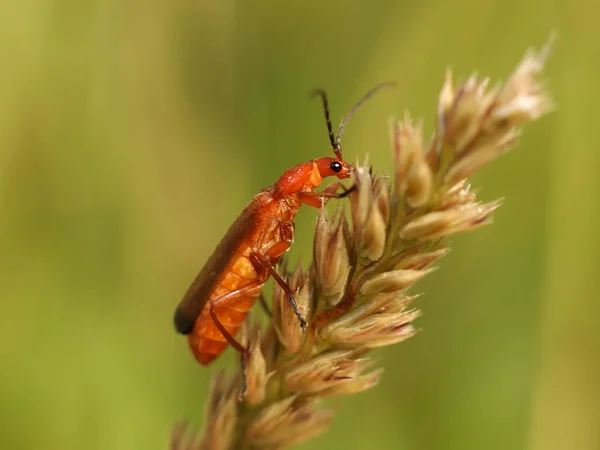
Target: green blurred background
(131, 135)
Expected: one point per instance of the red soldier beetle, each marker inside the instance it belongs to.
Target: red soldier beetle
(217, 302)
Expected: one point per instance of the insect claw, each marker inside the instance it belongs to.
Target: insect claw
(303, 324)
(299, 315)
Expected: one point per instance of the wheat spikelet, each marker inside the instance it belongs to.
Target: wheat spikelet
(355, 294)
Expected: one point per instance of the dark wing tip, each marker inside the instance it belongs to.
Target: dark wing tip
(183, 322)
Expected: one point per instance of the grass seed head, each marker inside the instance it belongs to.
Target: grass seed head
(331, 255)
(357, 295)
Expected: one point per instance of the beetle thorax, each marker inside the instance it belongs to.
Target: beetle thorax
(304, 177)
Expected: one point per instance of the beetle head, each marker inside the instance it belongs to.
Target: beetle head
(333, 167)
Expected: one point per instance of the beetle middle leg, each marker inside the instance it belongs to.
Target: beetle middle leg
(264, 262)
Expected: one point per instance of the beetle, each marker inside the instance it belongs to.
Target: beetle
(219, 298)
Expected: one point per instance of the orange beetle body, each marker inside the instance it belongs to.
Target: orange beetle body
(220, 297)
(234, 275)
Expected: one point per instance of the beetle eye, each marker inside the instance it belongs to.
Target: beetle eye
(336, 166)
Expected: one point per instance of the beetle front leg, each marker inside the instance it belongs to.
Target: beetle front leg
(333, 187)
(316, 199)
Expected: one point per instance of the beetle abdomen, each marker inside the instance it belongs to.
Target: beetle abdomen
(206, 340)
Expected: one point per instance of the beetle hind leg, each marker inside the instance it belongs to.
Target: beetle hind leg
(249, 289)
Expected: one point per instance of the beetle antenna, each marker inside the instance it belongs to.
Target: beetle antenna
(357, 105)
(335, 144)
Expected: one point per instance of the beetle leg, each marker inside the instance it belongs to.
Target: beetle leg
(264, 262)
(290, 295)
(312, 199)
(346, 192)
(333, 187)
(248, 289)
(317, 199)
